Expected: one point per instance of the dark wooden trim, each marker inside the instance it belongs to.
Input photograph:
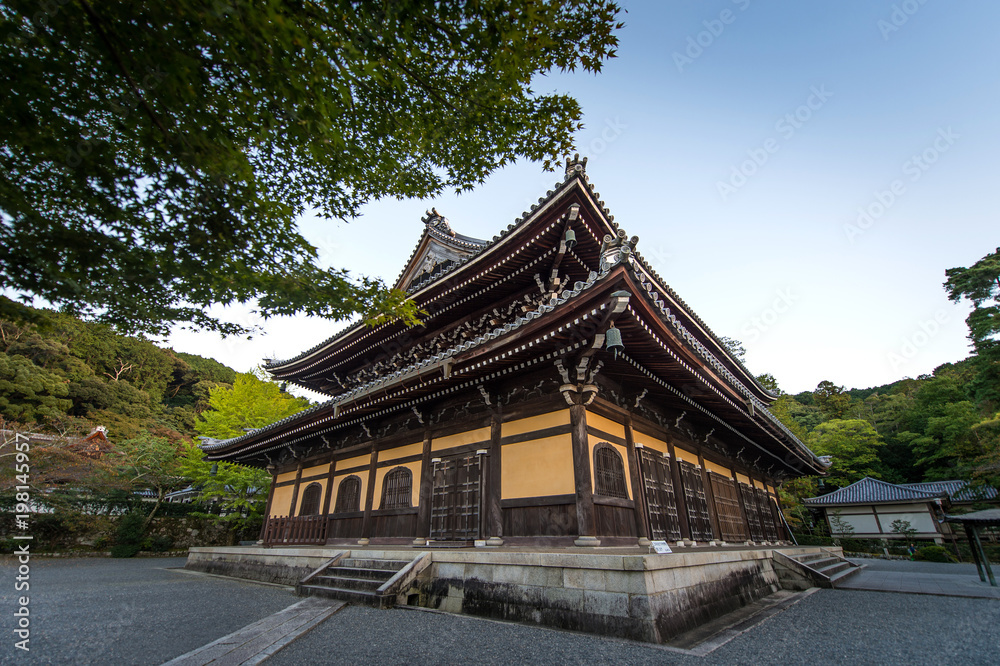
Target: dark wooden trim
(494, 512)
(606, 436)
(635, 475)
(472, 423)
(406, 511)
(314, 477)
(614, 501)
(284, 484)
(347, 514)
(537, 434)
(426, 489)
(329, 485)
(525, 410)
(293, 509)
(366, 525)
(675, 475)
(581, 472)
(542, 541)
(713, 514)
(547, 500)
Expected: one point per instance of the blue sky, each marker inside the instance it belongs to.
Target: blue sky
(802, 174)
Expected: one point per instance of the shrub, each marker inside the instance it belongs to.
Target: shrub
(128, 536)
(933, 554)
(159, 543)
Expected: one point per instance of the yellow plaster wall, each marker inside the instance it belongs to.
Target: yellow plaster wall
(282, 501)
(606, 425)
(622, 451)
(287, 476)
(302, 492)
(537, 468)
(357, 461)
(313, 471)
(380, 473)
(460, 439)
(550, 420)
(401, 452)
(363, 475)
(742, 478)
(650, 442)
(686, 456)
(718, 469)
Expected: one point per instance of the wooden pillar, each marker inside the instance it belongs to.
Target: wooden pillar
(494, 512)
(426, 490)
(878, 523)
(329, 484)
(366, 522)
(581, 472)
(675, 474)
(638, 494)
(713, 516)
(743, 508)
(267, 507)
(295, 490)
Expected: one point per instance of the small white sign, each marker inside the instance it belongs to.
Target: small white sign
(660, 547)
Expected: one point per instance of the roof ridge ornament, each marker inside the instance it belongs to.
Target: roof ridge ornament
(617, 249)
(438, 221)
(575, 165)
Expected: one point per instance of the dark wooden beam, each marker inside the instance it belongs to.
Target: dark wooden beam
(426, 491)
(366, 523)
(494, 513)
(581, 474)
(635, 474)
(675, 475)
(295, 491)
(713, 515)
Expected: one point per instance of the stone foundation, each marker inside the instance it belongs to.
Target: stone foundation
(636, 596)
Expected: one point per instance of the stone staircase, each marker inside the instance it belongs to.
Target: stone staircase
(364, 579)
(817, 569)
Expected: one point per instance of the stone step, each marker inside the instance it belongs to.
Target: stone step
(806, 558)
(822, 562)
(840, 576)
(347, 583)
(371, 563)
(834, 568)
(359, 572)
(355, 596)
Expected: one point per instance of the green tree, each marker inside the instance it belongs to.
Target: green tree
(853, 444)
(249, 404)
(30, 394)
(154, 156)
(149, 462)
(980, 284)
(832, 399)
(237, 488)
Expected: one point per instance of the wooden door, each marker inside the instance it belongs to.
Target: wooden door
(697, 504)
(661, 503)
(456, 498)
(727, 508)
(753, 512)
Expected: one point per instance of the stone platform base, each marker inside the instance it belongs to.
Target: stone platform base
(636, 596)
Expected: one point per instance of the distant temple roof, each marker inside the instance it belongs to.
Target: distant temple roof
(873, 491)
(958, 491)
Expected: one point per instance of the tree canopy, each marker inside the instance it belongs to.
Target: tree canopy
(154, 156)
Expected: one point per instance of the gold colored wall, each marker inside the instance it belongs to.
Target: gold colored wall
(537, 468)
(460, 439)
(282, 500)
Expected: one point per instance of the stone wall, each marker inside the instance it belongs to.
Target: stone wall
(285, 566)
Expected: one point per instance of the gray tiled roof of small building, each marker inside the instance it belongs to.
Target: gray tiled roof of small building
(873, 491)
(958, 490)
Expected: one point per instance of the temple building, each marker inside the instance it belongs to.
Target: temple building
(557, 393)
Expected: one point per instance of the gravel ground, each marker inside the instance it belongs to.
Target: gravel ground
(118, 611)
(101, 611)
(829, 626)
(906, 566)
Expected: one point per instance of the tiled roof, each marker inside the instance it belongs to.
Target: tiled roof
(873, 491)
(958, 491)
(984, 517)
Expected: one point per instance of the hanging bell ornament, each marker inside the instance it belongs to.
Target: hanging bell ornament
(570, 239)
(613, 340)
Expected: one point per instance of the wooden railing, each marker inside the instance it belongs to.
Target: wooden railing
(289, 530)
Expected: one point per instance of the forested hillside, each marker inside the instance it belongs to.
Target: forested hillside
(60, 374)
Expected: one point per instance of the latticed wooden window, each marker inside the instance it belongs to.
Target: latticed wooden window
(310, 500)
(348, 495)
(397, 489)
(609, 472)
